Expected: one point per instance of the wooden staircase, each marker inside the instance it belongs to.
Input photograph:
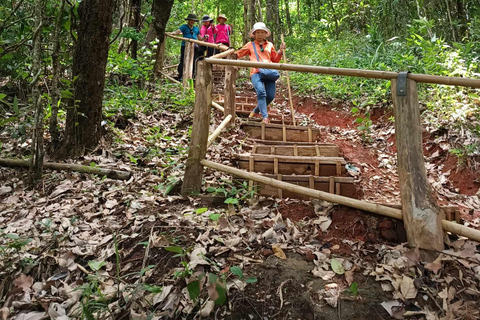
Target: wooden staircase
(292, 154)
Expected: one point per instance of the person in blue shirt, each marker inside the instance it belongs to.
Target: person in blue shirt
(191, 31)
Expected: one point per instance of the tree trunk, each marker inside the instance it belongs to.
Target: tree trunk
(288, 18)
(136, 11)
(259, 10)
(83, 125)
(53, 125)
(161, 10)
(246, 24)
(273, 20)
(251, 13)
(36, 168)
(462, 17)
(299, 16)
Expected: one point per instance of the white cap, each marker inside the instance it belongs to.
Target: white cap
(259, 26)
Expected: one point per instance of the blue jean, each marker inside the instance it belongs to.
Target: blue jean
(265, 94)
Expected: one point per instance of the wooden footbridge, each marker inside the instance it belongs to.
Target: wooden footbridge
(287, 160)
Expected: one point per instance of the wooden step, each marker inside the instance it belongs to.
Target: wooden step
(273, 164)
(273, 117)
(325, 150)
(275, 142)
(280, 132)
(241, 99)
(344, 186)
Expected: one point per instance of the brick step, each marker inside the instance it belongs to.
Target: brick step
(273, 164)
(277, 142)
(343, 186)
(280, 132)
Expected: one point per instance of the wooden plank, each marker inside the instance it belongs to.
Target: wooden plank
(192, 180)
(279, 142)
(230, 91)
(294, 166)
(343, 186)
(299, 150)
(292, 159)
(420, 212)
(275, 132)
(188, 64)
(331, 185)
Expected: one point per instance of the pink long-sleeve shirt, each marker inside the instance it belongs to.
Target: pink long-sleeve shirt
(209, 31)
(223, 32)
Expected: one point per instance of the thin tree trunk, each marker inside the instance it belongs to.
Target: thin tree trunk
(462, 17)
(53, 125)
(161, 13)
(136, 11)
(273, 20)
(246, 24)
(259, 10)
(270, 17)
(287, 15)
(36, 164)
(299, 16)
(449, 14)
(84, 116)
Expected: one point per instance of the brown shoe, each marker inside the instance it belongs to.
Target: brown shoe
(266, 120)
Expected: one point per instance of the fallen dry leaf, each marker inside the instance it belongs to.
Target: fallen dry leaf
(23, 282)
(278, 251)
(407, 288)
(435, 265)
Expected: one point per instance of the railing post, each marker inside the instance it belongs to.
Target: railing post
(192, 180)
(421, 215)
(230, 90)
(158, 67)
(188, 63)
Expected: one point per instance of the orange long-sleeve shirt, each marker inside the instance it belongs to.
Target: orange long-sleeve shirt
(269, 53)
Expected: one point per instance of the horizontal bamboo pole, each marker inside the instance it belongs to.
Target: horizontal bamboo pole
(169, 78)
(375, 74)
(218, 46)
(110, 173)
(223, 54)
(461, 230)
(170, 67)
(349, 202)
(354, 203)
(219, 107)
(219, 129)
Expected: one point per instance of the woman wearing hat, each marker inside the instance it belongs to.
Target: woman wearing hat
(260, 49)
(191, 31)
(223, 31)
(207, 33)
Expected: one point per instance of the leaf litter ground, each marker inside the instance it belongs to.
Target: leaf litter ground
(85, 246)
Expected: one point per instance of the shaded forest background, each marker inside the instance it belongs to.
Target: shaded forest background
(78, 65)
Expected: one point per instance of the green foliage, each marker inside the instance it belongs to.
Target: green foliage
(235, 191)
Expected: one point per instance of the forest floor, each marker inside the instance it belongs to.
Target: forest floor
(88, 247)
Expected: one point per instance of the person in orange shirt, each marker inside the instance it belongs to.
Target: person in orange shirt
(266, 52)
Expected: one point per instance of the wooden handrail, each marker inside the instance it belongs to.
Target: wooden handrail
(218, 46)
(353, 203)
(373, 74)
(223, 54)
(219, 130)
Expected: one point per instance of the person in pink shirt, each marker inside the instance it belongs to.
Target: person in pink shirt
(223, 31)
(207, 32)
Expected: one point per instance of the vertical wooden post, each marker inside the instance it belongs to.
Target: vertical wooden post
(230, 90)
(188, 63)
(158, 67)
(421, 214)
(192, 180)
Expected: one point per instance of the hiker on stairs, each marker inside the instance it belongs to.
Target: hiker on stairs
(191, 31)
(207, 32)
(222, 32)
(261, 50)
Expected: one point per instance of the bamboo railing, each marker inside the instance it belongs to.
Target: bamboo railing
(423, 219)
